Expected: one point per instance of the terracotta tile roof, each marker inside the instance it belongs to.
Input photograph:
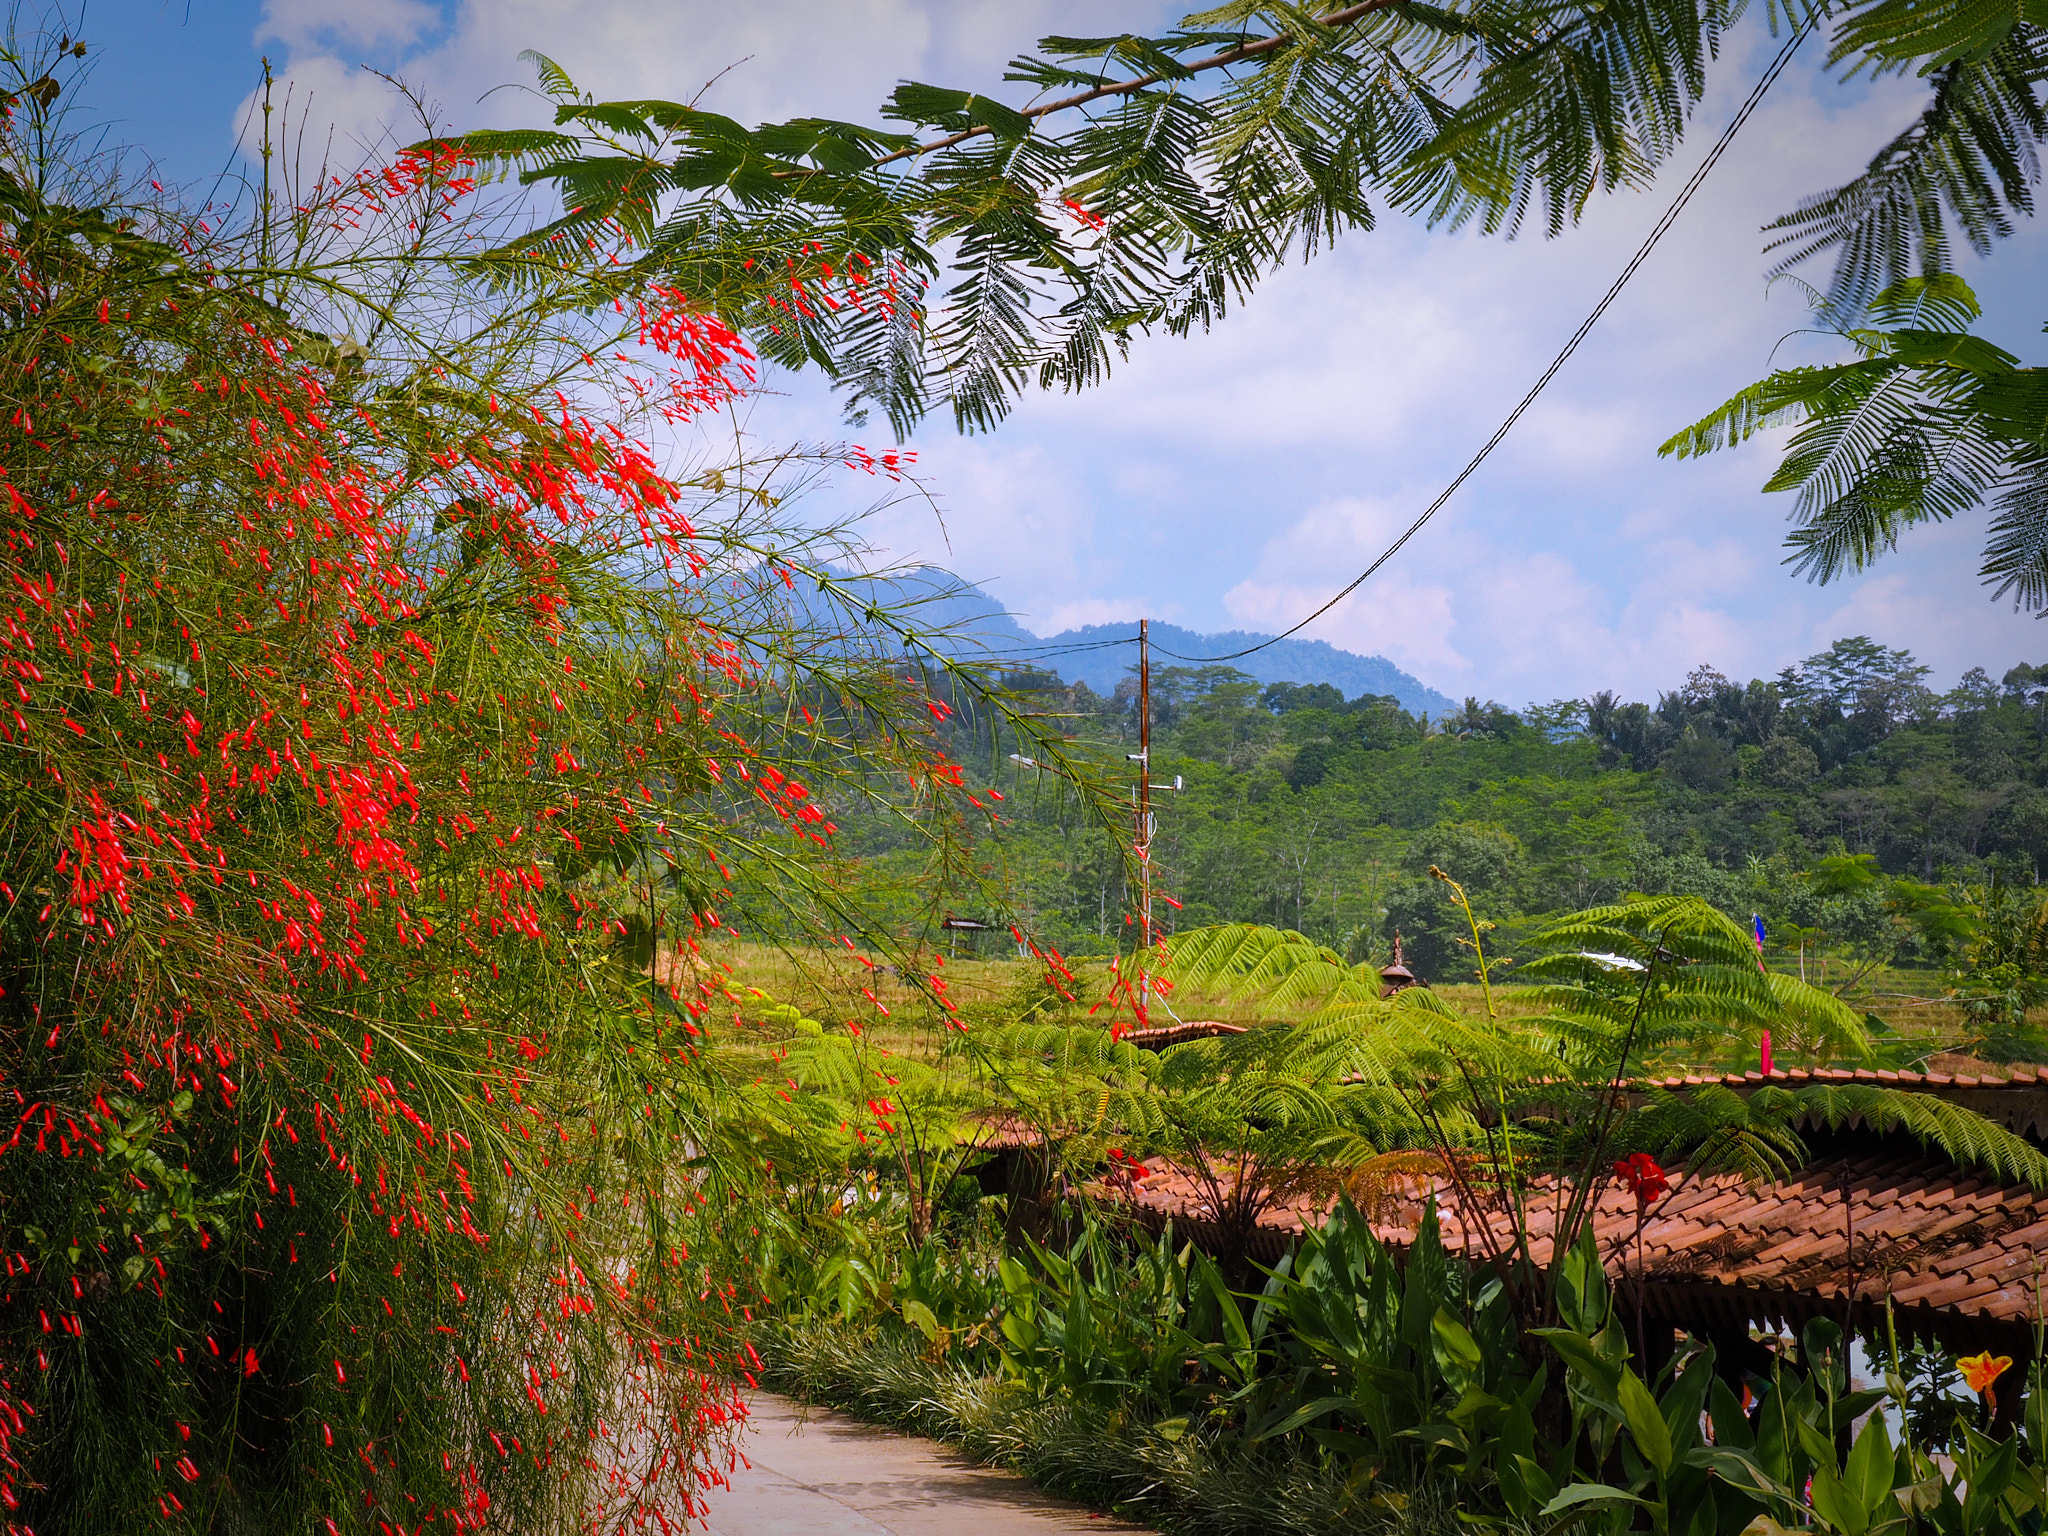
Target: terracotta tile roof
(2018, 1102)
(1959, 1256)
(1161, 1036)
(1794, 1077)
(1005, 1132)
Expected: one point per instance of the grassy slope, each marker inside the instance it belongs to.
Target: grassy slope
(830, 985)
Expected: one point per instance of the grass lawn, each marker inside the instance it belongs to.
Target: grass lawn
(834, 986)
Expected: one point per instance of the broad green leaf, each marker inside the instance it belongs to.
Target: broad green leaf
(1741, 1469)
(1455, 1341)
(1591, 1493)
(1646, 1422)
(1021, 1329)
(1303, 1415)
(1582, 1355)
(1921, 1498)
(1818, 1445)
(1582, 1286)
(1871, 1465)
(1834, 1503)
(1732, 1428)
(1526, 1486)
(1017, 1280)
(1988, 1476)
(1473, 1406)
(1238, 1335)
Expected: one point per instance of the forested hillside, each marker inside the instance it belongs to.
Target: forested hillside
(1872, 822)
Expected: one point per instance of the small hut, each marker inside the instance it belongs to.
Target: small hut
(1395, 975)
(953, 927)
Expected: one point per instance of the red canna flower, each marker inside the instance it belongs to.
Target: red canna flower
(1127, 1165)
(1645, 1180)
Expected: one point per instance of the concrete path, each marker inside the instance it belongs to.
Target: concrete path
(819, 1473)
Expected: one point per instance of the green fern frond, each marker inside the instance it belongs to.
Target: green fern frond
(1420, 1000)
(553, 78)
(1962, 1135)
(1669, 928)
(2016, 552)
(1245, 959)
(1965, 165)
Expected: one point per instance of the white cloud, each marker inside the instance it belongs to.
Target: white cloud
(312, 24)
(330, 115)
(1412, 626)
(757, 61)
(1303, 565)
(1090, 610)
(1243, 476)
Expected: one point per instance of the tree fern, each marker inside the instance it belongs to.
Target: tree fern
(1497, 1113)
(1961, 1135)
(1714, 1129)
(1240, 959)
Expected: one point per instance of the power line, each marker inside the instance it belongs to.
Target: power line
(1657, 233)
(1040, 652)
(1671, 214)
(1064, 650)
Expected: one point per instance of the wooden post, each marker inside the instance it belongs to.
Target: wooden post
(1142, 841)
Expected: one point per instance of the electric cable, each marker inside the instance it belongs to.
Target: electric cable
(1657, 233)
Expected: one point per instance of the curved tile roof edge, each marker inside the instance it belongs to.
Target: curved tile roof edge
(1788, 1077)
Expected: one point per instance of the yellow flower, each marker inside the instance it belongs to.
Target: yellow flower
(1979, 1371)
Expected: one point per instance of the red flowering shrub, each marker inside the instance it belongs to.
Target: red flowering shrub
(368, 709)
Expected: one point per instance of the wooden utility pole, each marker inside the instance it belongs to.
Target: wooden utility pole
(1142, 841)
(1145, 826)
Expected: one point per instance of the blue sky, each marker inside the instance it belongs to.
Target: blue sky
(1234, 480)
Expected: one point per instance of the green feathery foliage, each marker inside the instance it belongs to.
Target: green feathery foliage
(1713, 994)
(1961, 1135)
(1927, 423)
(1969, 161)
(1530, 1108)
(1242, 959)
(1153, 181)
(1259, 1120)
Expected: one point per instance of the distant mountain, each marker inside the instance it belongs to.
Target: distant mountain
(976, 620)
(1285, 661)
